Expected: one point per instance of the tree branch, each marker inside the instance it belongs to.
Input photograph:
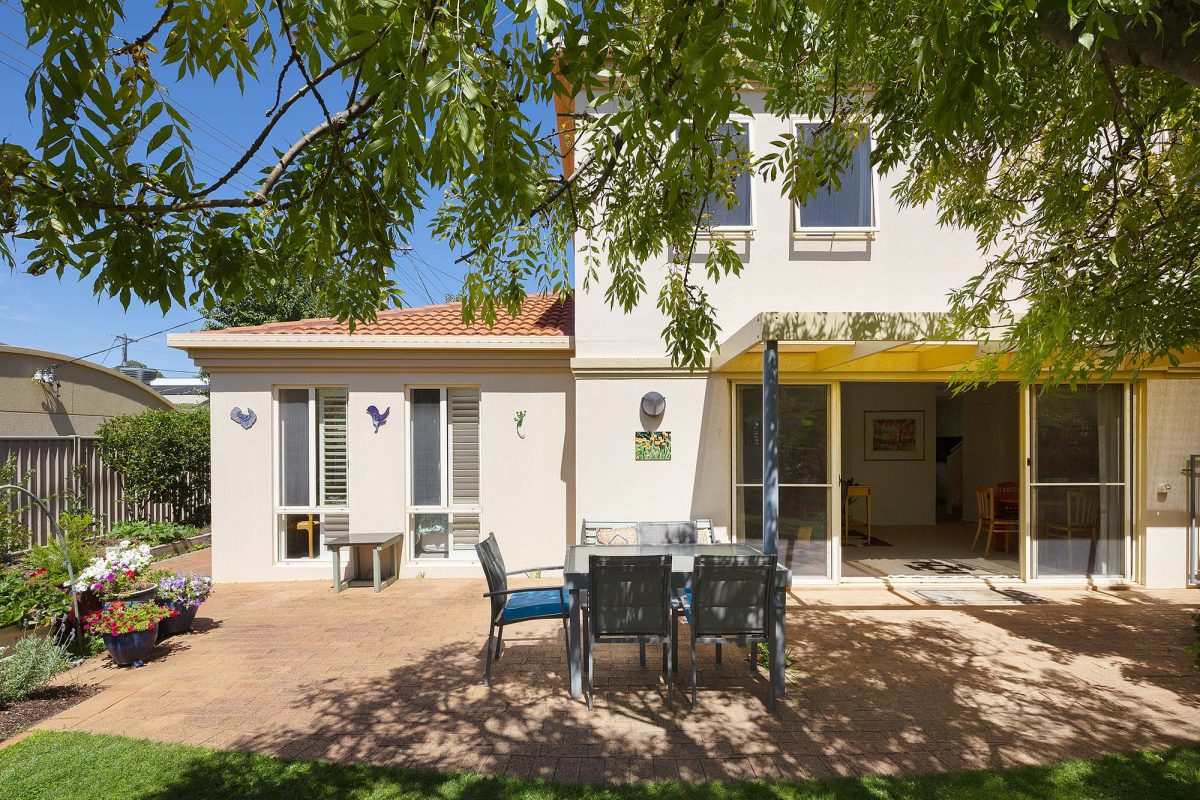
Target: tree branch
(1166, 44)
(277, 115)
(336, 123)
(137, 43)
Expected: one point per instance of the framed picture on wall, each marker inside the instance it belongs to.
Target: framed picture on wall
(894, 436)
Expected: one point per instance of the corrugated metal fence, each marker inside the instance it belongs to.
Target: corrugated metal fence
(71, 465)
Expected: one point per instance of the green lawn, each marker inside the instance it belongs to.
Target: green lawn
(50, 766)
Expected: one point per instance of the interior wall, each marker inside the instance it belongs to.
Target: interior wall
(902, 492)
(991, 448)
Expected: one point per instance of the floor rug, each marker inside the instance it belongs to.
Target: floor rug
(859, 539)
(932, 567)
(980, 597)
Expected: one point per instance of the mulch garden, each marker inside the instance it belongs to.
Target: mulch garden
(24, 714)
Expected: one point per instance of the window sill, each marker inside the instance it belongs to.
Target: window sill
(835, 234)
(731, 234)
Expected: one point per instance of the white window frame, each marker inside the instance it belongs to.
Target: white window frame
(278, 508)
(740, 231)
(446, 479)
(800, 232)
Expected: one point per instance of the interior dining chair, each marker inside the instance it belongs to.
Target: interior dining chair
(985, 497)
(510, 606)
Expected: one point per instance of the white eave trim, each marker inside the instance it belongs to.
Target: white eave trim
(335, 341)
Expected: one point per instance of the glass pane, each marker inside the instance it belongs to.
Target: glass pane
(1080, 530)
(431, 535)
(848, 206)
(803, 434)
(742, 212)
(1079, 435)
(426, 448)
(294, 427)
(332, 447)
(299, 536)
(803, 526)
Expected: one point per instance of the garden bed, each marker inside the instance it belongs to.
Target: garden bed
(181, 546)
(24, 714)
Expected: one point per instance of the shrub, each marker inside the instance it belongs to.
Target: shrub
(153, 533)
(30, 665)
(76, 527)
(31, 597)
(1196, 647)
(14, 536)
(163, 457)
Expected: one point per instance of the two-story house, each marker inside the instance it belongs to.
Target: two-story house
(872, 468)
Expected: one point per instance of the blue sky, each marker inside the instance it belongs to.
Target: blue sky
(64, 315)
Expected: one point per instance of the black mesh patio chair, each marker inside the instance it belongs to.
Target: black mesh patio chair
(629, 601)
(510, 606)
(731, 601)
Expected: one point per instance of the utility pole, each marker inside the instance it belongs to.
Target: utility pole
(125, 341)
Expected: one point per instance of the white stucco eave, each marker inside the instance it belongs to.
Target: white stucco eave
(341, 341)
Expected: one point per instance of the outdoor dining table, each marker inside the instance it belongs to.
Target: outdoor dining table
(575, 580)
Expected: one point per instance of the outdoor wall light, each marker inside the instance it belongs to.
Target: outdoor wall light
(653, 404)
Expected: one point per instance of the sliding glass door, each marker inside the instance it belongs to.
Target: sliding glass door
(1078, 483)
(804, 474)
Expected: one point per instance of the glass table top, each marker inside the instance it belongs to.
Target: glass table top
(682, 555)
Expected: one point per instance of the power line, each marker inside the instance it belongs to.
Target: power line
(421, 281)
(126, 340)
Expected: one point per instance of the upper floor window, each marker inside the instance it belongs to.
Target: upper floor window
(849, 207)
(313, 470)
(734, 144)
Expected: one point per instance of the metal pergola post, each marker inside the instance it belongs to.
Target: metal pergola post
(770, 517)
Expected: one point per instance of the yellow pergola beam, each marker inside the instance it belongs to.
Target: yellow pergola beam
(944, 357)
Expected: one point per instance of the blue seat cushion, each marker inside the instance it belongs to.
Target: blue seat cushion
(685, 594)
(531, 605)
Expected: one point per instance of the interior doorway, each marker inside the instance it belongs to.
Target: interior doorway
(929, 481)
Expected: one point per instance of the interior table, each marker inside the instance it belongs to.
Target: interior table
(575, 579)
(378, 542)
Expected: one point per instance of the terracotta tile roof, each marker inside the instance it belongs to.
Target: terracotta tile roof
(541, 315)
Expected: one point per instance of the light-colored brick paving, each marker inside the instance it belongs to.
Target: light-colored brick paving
(882, 684)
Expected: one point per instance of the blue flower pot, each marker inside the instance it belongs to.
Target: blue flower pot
(141, 596)
(130, 648)
(180, 623)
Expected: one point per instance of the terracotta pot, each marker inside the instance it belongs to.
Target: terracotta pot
(130, 648)
(180, 623)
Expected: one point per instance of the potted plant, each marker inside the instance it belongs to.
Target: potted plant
(183, 594)
(120, 574)
(129, 630)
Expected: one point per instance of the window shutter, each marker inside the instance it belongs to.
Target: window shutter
(464, 446)
(334, 462)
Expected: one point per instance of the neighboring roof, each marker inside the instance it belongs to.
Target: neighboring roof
(62, 360)
(540, 315)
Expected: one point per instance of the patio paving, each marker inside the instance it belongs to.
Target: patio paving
(883, 683)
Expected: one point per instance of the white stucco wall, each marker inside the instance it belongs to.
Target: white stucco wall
(694, 484)
(526, 484)
(911, 265)
(1171, 435)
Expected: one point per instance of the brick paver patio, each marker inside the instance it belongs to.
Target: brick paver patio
(882, 684)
